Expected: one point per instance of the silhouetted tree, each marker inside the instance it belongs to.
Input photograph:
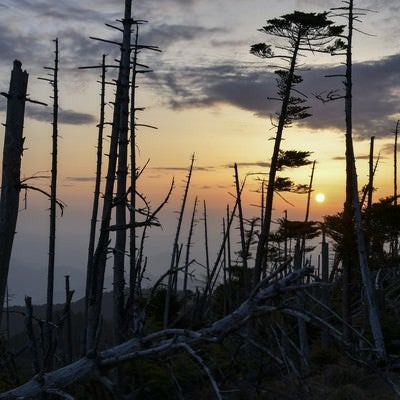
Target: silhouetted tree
(10, 184)
(353, 224)
(297, 33)
(53, 201)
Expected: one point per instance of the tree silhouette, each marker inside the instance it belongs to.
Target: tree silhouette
(297, 33)
(10, 184)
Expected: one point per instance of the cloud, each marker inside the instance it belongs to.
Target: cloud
(69, 117)
(261, 164)
(80, 178)
(376, 89)
(361, 157)
(202, 169)
(166, 35)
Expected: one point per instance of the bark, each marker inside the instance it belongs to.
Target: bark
(158, 344)
(352, 201)
(303, 239)
(371, 172)
(206, 239)
(122, 173)
(10, 186)
(68, 333)
(395, 240)
(95, 292)
(325, 289)
(96, 197)
(243, 252)
(175, 250)
(53, 202)
(134, 260)
(395, 163)
(188, 247)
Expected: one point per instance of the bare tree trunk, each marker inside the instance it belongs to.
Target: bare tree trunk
(100, 255)
(10, 185)
(31, 336)
(302, 328)
(395, 240)
(68, 335)
(325, 290)
(175, 250)
(134, 261)
(122, 173)
(206, 239)
(395, 163)
(96, 197)
(371, 172)
(188, 246)
(53, 204)
(262, 246)
(352, 200)
(303, 239)
(243, 253)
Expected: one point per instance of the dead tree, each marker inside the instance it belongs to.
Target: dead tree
(173, 269)
(95, 290)
(353, 224)
(135, 254)
(96, 197)
(161, 344)
(53, 195)
(188, 247)
(396, 132)
(206, 240)
(243, 251)
(122, 173)
(395, 241)
(10, 185)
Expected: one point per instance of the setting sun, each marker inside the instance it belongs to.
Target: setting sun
(320, 197)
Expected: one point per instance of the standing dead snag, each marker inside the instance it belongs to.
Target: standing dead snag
(122, 173)
(53, 195)
(118, 136)
(173, 269)
(10, 186)
(354, 244)
(352, 204)
(96, 196)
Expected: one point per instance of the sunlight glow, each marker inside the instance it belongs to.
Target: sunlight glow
(319, 197)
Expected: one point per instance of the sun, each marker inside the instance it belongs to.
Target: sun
(320, 197)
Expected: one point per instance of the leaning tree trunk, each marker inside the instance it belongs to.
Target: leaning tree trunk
(10, 186)
(262, 245)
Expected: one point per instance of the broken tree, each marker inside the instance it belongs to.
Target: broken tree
(10, 186)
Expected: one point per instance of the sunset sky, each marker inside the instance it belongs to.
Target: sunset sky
(207, 95)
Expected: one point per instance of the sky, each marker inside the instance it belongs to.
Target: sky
(206, 95)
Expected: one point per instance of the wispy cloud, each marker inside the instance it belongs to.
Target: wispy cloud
(172, 168)
(80, 178)
(68, 117)
(375, 94)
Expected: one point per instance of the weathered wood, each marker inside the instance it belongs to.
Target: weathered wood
(53, 201)
(158, 344)
(122, 173)
(96, 196)
(95, 292)
(10, 186)
(352, 199)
